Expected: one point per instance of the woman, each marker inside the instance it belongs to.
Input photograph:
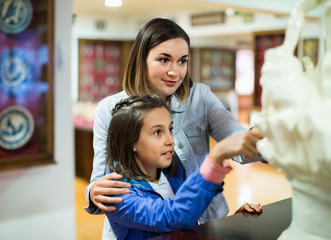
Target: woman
(158, 63)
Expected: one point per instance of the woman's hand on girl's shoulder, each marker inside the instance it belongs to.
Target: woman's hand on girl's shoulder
(103, 191)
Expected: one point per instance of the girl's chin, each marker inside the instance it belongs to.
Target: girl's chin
(166, 164)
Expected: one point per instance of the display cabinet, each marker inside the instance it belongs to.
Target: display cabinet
(217, 68)
(26, 83)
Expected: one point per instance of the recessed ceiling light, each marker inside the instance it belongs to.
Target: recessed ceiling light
(113, 3)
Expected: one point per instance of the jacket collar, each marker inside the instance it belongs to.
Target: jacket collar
(176, 106)
(141, 184)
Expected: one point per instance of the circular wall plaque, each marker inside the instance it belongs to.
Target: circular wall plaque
(15, 15)
(16, 127)
(15, 69)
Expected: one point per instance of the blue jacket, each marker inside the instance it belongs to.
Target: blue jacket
(144, 213)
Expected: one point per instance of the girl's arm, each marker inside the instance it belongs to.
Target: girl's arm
(223, 125)
(153, 214)
(145, 212)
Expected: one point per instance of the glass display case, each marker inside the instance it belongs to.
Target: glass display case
(26, 83)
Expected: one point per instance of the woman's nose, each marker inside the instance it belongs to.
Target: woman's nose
(173, 72)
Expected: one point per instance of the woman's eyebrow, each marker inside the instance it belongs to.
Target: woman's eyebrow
(165, 54)
(168, 55)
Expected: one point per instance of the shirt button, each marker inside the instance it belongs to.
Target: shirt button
(180, 145)
(199, 130)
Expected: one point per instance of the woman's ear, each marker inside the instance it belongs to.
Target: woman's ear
(134, 148)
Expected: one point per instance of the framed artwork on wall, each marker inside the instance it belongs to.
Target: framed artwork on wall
(100, 69)
(208, 18)
(26, 83)
(218, 68)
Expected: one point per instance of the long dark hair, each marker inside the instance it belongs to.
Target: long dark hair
(156, 31)
(123, 133)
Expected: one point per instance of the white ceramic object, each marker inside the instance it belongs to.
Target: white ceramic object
(296, 122)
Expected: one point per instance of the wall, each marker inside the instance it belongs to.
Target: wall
(38, 202)
(225, 35)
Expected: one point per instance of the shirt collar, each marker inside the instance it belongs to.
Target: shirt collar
(176, 106)
(141, 184)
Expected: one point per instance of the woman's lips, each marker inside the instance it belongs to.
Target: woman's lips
(170, 83)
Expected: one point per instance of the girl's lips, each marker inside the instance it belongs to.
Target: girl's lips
(168, 154)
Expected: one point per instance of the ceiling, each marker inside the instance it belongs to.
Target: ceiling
(156, 7)
(144, 7)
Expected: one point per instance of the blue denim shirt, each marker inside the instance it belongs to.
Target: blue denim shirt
(202, 115)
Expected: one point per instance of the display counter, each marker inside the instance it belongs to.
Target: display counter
(276, 217)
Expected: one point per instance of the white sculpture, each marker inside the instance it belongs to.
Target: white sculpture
(296, 122)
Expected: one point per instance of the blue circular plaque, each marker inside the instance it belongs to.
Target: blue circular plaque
(15, 69)
(16, 127)
(15, 15)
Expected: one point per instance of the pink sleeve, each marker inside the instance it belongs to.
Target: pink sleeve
(214, 172)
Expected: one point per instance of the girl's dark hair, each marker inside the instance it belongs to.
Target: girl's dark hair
(156, 31)
(123, 133)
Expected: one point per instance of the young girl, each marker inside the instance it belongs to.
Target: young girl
(140, 147)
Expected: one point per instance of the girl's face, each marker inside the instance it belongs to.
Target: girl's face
(167, 66)
(155, 145)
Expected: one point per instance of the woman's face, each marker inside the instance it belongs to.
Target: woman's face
(167, 66)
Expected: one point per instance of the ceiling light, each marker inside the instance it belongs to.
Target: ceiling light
(113, 3)
(230, 11)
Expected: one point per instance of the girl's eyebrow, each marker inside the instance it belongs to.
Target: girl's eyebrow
(159, 125)
(156, 126)
(168, 55)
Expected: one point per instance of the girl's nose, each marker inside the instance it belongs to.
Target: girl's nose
(170, 139)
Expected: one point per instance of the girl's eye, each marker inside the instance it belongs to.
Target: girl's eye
(171, 129)
(158, 132)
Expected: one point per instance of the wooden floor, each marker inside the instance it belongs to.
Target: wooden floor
(88, 227)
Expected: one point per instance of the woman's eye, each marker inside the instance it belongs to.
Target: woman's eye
(164, 60)
(171, 129)
(158, 132)
(183, 61)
